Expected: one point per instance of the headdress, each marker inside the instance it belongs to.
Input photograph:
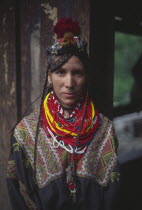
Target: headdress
(68, 38)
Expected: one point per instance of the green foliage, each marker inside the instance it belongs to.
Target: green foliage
(128, 48)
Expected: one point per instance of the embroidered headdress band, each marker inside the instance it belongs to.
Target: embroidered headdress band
(68, 39)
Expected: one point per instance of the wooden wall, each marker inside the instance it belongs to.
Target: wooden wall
(102, 54)
(8, 107)
(25, 32)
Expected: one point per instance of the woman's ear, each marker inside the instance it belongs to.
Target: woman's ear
(49, 78)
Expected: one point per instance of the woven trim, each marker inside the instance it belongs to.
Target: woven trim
(49, 165)
(100, 158)
(98, 162)
(11, 169)
(29, 203)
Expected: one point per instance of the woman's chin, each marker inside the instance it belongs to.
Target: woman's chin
(68, 103)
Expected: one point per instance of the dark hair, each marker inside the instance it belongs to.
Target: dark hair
(54, 63)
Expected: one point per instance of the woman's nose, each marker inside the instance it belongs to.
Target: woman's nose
(69, 81)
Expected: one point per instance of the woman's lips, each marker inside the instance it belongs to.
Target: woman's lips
(69, 94)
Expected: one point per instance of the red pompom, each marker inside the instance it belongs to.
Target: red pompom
(66, 25)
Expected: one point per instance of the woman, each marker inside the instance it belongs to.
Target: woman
(63, 156)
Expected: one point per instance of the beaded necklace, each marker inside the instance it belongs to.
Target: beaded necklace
(67, 128)
(73, 133)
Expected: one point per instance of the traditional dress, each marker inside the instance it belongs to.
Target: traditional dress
(96, 161)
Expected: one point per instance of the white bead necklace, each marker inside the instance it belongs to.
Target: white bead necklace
(57, 143)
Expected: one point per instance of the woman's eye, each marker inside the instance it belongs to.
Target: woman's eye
(60, 72)
(78, 73)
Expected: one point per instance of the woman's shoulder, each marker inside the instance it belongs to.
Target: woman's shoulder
(107, 129)
(30, 119)
(105, 119)
(26, 125)
(106, 125)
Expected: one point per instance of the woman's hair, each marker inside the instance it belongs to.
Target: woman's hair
(54, 63)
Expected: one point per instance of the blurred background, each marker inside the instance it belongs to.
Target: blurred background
(127, 119)
(114, 33)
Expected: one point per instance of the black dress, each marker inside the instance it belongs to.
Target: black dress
(97, 171)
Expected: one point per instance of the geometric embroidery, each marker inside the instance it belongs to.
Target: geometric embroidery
(115, 176)
(100, 158)
(107, 157)
(11, 169)
(48, 161)
(30, 204)
(97, 163)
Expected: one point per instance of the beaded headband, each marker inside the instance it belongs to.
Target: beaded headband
(68, 40)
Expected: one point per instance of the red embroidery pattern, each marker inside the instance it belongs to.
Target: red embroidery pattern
(11, 169)
(97, 163)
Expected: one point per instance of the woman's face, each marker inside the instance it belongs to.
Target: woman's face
(68, 82)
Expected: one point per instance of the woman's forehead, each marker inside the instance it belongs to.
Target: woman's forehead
(73, 63)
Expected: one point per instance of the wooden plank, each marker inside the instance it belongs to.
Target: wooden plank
(78, 10)
(81, 13)
(37, 20)
(102, 55)
(8, 108)
(8, 113)
(48, 20)
(30, 50)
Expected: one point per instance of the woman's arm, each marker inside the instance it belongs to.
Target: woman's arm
(112, 190)
(17, 178)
